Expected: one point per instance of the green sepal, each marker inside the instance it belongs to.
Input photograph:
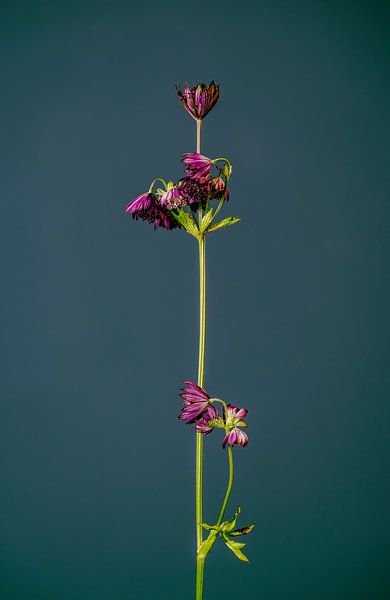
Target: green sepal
(208, 527)
(235, 547)
(242, 530)
(229, 525)
(224, 223)
(187, 221)
(208, 543)
(227, 170)
(206, 220)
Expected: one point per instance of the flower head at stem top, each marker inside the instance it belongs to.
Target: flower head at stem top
(196, 402)
(200, 99)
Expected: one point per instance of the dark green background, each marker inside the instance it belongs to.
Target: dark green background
(100, 313)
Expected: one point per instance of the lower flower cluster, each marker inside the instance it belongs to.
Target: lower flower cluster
(199, 409)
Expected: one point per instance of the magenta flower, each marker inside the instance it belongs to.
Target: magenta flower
(197, 164)
(196, 401)
(200, 99)
(147, 208)
(209, 420)
(234, 420)
(143, 207)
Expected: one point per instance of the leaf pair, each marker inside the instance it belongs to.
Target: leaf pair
(190, 224)
(226, 531)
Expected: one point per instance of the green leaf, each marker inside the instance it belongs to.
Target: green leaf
(235, 547)
(242, 530)
(208, 543)
(187, 221)
(229, 525)
(224, 223)
(206, 220)
(208, 527)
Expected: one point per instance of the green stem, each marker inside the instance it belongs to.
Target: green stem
(199, 578)
(198, 140)
(202, 347)
(198, 134)
(229, 487)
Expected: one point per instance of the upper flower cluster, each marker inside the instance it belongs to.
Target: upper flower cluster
(198, 408)
(196, 189)
(164, 207)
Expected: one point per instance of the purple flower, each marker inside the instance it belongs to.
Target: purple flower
(195, 191)
(235, 436)
(200, 99)
(143, 207)
(209, 419)
(219, 189)
(196, 401)
(147, 208)
(234, 420)
(172, 199)
(165, 220)
(197, 164)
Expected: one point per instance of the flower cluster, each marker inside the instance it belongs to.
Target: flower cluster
(198, 408)
(198, 186)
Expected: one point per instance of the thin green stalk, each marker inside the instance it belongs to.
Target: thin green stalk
(198, 134)
(229, 487)
(202, 347)
(199, 578)
(201, 360)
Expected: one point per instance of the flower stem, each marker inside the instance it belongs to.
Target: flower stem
(199, 437)
(198, 134)
(199, 578)
(202, 347)
(229, 487)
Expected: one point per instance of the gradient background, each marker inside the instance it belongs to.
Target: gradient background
(100, 313)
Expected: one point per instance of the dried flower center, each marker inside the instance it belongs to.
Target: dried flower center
(195, 191)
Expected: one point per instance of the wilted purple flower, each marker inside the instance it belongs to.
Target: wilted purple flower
(147, 208)
(209, 419)
(236, 436)
(196, 401)
(196, 190)
(165, 220)
(200, 99)
(197, 164)
(172, 199)
(234, 420)
(143, 207)
(219, 189)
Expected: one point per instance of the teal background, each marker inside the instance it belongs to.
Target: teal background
(99, 314)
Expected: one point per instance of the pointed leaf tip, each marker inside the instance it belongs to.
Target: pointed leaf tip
(224, 223)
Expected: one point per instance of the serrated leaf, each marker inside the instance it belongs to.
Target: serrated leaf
(224, 223)
(242, 530)
(235, 547)
(229, 525)
(208, 543)
(206, 220)
(186, 220)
